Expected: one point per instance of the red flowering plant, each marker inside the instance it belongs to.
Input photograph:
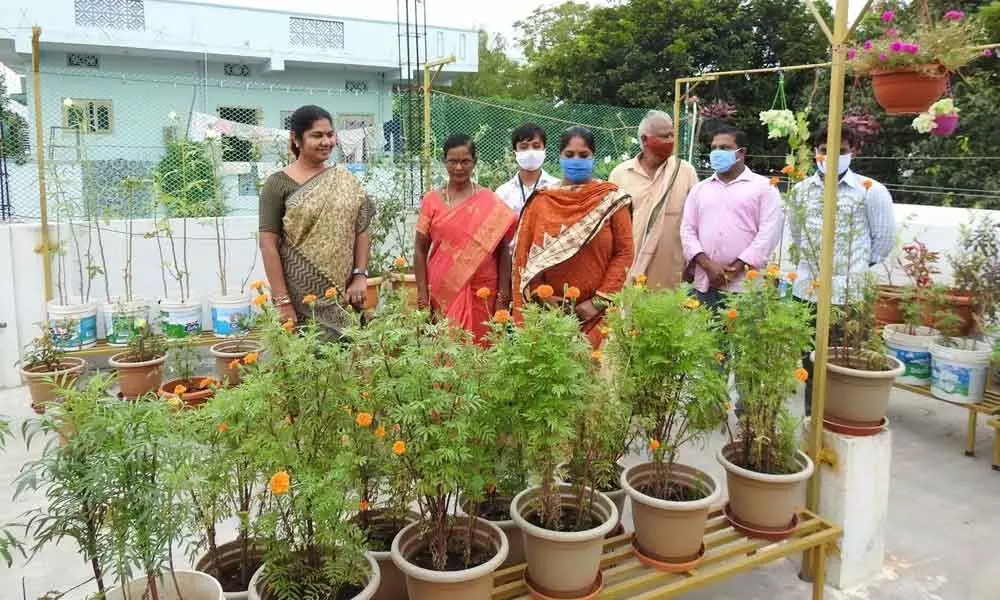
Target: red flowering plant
(920, 42)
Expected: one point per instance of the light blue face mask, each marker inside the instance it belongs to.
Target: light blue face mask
(722, 160)
(577, 170)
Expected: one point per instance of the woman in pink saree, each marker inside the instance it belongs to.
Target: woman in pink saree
(463, 245)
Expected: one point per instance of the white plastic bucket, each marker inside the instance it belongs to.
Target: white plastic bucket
(960, 375)
(179, 320)
(913, 350)
(229, 314)
(120, 317)
(74, 325)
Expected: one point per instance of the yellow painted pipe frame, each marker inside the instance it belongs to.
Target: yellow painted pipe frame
(36, 85)
(428, 133)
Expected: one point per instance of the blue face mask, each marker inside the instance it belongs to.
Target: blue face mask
(577, 170)
(722, 160)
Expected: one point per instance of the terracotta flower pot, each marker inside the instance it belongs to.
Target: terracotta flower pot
(563, 564)
(665, 530)
(190, 585)
(467, 584)
(393, 584)
(199, 390)
(858, 396)
(515, 546)
(408, 283)
(368, 593)
(373, 292)
(229, 565)
(887, 306)
(907, 90)
(959, 303)
(767, 502)
(226, 352)
(136, 379)
(43, 386)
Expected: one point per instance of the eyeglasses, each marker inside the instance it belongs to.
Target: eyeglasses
(465, 162)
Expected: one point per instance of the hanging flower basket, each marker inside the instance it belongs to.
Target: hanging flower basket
(940, 119)
(909, 90)
(946, 125)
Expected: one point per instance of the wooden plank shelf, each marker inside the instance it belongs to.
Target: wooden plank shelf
(205, 338)
(989, 406)
(727, 552)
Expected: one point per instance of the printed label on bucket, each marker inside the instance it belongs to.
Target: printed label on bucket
(917, 364)
(121, 327)
(951, 379)
(178, 326)
(69, 334)
(230, 320)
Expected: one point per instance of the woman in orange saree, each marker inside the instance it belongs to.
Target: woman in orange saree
(576, 235)
(462, 245)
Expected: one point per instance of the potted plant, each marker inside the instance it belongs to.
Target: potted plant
(122, 312)
(975, 268)
(232, 354)
(666, 350)
(47, 370)
(909, 65)
(314, 548)
(140, 366)
(909, 342)
(549, 372)
(941, 119)
(437, 380)
(765, 470)
(959, 364)
(390, 232)
(192, 389)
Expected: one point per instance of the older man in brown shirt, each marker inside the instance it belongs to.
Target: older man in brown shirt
(658, 182)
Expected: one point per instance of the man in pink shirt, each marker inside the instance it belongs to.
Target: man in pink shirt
(732, 220)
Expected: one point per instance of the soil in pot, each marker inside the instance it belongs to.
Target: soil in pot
(381, 528)
(197, 390)
(258, 587)
(230, 576)
(455, 557)
(496, 509)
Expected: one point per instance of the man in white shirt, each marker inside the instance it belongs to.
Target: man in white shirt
(866, 231)
(528, 142)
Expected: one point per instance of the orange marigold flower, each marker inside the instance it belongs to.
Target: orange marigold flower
(801, 374)
(544, 291)
(597, 355)
(288, 325)
(180, 389)
(641, 279)
(788, 169)
(692, 303)
(502, 317)
(251, 358)
(234, 364)
(867, 183)
(363, 419)
(792, 276)
(330, 293)
(205, 383)
(654, 444)
(773, 270)
(257, 284)
(363, 505)
(775, 181)
(280, 482)
(222, 428)
(399, 447)
(483, 293)
(731, 314)
(814, 285)
(720, 357)
(752, 274)
(259, 300)
(380, 432)
(572, 292)
(604, 331)
(800, 174)
(309, 298)
(399, 262)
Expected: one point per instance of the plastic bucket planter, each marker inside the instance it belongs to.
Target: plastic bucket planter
(119, 320)
(74, 325)
(959, 374)
(229, 314)
(911, 350)
(179, 320)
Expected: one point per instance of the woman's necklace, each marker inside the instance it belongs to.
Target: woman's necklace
(450, 202)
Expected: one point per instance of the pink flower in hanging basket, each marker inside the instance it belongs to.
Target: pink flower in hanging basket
(954, 15)
(911, 48)
(888, 16)
(945, 125)
(988, 52)
(896, 46)
(892, 32)
(851, 53)
(868, 45)
(882, 57)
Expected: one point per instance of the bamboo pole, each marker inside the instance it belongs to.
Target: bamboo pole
(36, 85)
(428, 133)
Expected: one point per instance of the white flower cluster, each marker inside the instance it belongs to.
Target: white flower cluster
(927, 121)
(780, 123)
(944, 106)
(924, 123)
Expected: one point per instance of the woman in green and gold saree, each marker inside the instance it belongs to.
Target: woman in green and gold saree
(314, 222)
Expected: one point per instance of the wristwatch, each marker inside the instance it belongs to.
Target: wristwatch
(362, 272)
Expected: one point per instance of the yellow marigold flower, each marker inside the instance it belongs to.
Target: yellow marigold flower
(775, 181)
(363, 505)
(330, 293)
(692, 303)
(280, 482)
(801, 374)
(502, 317)
(597, 355)
(483, 293)
(222, 428)
(800, 174)
(720, 357)
(363, 419)
(380, 432)
(205, 383)
(175, 403)
(251, 358)
(773, 270)
(544, 291)
(180, 389)
(634, 333)
(604, 331)
(731, 314)
(288, 325)
(257, 284)
(814, 285)
(792, 276)
(399, 447)
(752, 274)
(867, 183)
(572, 293)
(259, 300)
(788, 169)
(641, 279)
(654, 444)
(234, 364)
(399, 262)
(309, 298)
(611, 310)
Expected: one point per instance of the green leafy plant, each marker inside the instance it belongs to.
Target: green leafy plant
(42, 354)
(976, 268)
(766, 333)
(666, 353)
(144, 344)
(391, 233)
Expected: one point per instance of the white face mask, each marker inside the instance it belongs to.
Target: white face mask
(842, 165)
(530, 160)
